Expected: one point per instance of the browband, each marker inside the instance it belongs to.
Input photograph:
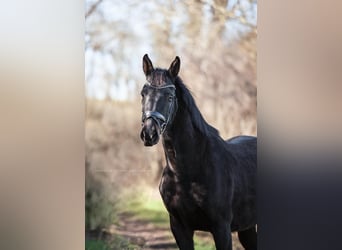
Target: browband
(161, 87)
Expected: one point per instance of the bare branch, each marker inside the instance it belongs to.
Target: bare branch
(92, 8)
(228, 14)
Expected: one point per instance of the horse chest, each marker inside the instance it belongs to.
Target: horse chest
(183, 200)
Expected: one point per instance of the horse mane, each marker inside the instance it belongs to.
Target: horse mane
(161, 77)
(190, 105)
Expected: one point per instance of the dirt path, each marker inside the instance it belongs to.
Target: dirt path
(144, 234)
(149, 236)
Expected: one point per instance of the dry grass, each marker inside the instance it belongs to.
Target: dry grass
(114, 148)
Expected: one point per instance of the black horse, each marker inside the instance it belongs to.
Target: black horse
(208, 184)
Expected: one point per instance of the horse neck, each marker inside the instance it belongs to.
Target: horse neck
(184, 145)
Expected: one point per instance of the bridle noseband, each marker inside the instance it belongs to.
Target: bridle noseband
(157, 116)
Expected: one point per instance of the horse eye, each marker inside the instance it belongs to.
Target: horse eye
(170, 98)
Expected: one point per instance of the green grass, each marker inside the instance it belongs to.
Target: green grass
(201, 244)
(96, 245)
(116, 243)
(151, 210)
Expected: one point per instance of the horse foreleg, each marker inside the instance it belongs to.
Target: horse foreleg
(222, 237)
(182, 234)
(248, 238)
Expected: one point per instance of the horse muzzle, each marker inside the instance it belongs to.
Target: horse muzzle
(149, 133)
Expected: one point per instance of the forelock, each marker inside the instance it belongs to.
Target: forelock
(159, 77)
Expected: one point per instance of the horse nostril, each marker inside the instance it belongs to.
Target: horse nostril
(142, 134)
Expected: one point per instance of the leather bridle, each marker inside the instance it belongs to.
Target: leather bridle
(159, 118)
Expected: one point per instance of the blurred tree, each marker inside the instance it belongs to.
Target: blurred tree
(216, 40)
(165, 28)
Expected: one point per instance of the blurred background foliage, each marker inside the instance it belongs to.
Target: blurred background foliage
(216, 41)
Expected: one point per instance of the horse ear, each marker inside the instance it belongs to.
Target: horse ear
(147, 65)
(174, 67)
